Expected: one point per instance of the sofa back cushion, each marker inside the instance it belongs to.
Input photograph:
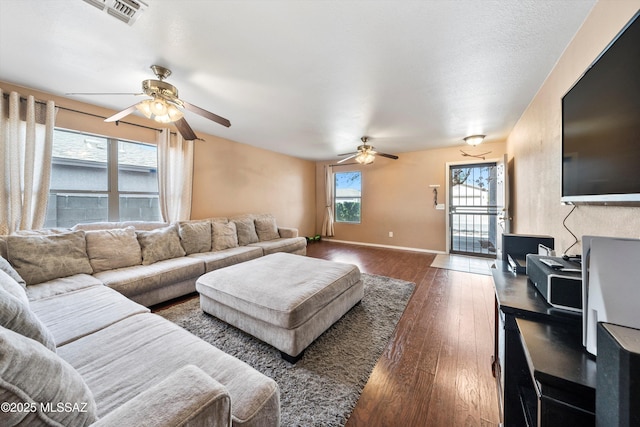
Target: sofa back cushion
(160, 244)
(111, 249)
(15, 314)
(246, 230)
(39, 258)
(195, 236)
(224, 235)
(32, 375)
(266, 227)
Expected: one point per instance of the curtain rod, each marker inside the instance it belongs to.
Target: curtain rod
(37, 101)
(344, 164)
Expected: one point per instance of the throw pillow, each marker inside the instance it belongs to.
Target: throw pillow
(195, 236)
(7, 268)
(111, 249)
(32, 375)
(15, 314)
(160, 244)
(246, 230)
(39, 258)
(224, 236)
(266, 228)
(10, 285)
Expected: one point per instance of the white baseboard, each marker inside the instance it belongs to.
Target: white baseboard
(402, 248)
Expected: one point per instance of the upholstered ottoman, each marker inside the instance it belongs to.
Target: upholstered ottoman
(282, 299)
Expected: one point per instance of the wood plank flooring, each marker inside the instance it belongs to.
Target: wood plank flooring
(436, 370)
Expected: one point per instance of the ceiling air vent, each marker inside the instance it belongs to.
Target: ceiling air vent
(128, 11)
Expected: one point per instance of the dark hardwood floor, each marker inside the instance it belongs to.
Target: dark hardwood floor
(436, 370)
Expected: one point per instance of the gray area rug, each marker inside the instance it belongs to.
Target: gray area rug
(323, 387)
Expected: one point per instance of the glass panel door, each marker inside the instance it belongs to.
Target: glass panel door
(473, 209)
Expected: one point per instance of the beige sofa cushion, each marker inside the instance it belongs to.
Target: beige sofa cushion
(224, 235)
(195, 236)
(110, 249)
(162, 348)
(246, 230)
(61, 286)
(142, 279)
(266, 228)
(160, 244)
(38, 258)
(293, 245)
(187, 397)
(16, 315)
(219, 259)
(31, 374)
(76, 314)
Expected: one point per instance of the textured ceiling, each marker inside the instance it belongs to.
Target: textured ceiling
(305, 78)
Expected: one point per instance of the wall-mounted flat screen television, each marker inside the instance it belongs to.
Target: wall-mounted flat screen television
(601, 126)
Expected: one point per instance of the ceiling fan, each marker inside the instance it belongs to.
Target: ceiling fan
(366, 153)
(164, 106)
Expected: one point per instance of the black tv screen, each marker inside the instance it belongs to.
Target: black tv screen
(601, 126)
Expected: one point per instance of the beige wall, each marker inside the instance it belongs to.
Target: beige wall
(229, 177)
(534, 145)
(396, 197)
(232, 178)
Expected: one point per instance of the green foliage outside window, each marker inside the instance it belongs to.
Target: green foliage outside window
(348, 211)
(348, 191)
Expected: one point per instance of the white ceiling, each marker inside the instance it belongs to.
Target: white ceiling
(306, 78)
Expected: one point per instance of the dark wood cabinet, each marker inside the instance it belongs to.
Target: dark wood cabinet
(545, 375)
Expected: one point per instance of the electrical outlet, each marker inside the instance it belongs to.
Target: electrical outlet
(391, 234)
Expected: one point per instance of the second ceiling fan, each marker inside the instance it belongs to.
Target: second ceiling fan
(366, 153)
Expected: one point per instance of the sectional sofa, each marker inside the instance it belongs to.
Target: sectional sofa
(79, 345)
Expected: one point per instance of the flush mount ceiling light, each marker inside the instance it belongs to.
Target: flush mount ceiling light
(474, 139)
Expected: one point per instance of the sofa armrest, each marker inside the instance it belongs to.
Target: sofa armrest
(188, 397)
(286, 232)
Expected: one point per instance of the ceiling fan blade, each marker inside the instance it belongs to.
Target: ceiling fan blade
(347, 158)
(206, 114)
(185, 130)
(390, 156)
(122, 114)
(349, 154)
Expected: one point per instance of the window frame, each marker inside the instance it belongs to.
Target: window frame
(349, 198)
(112, 192)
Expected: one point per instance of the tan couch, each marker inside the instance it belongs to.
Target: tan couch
(147, 262)
(67, 339)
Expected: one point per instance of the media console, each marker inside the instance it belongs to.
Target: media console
(545, 376)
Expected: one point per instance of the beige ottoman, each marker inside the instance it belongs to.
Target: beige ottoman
(282, 299)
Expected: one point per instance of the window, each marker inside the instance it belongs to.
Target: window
(101, 179)
(348, 189)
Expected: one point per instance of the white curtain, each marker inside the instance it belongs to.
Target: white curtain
(327, 225)
(26, 141)
(175, 176)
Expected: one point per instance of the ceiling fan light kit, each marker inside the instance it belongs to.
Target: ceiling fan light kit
(474, 139)
(365, 158)
(160, 110)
